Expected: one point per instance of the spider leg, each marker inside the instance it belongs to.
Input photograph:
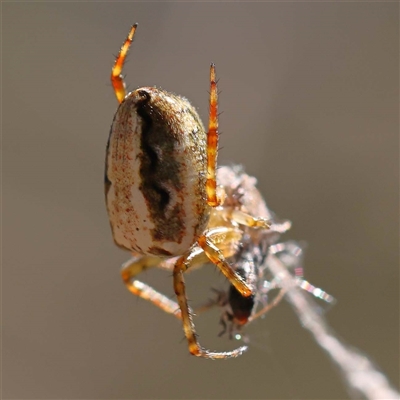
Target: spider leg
(181, 266)
(135, 266)
(117, 80)
(212, 143)
(291, 254)
(226, 238)
(315, 291)
(245, 219)
(216, 256)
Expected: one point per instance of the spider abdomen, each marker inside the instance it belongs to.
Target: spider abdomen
(156, 167)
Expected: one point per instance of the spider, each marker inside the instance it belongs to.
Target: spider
(162, 196)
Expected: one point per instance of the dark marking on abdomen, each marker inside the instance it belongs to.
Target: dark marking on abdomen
(159, 172)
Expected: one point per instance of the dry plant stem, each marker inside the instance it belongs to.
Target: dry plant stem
(359, 373)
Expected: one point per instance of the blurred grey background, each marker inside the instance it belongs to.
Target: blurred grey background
(310, 107)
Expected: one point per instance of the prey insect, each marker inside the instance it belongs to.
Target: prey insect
(238, 311)
(251, 260)
(162, 196)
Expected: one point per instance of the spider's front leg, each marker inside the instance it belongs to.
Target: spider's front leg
(216, 256)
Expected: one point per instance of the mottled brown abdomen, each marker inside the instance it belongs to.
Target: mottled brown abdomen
(156, 166)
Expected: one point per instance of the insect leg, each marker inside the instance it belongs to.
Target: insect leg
(269, 306)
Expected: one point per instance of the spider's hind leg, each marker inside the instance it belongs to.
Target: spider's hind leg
(213, 199)
(117, 80)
